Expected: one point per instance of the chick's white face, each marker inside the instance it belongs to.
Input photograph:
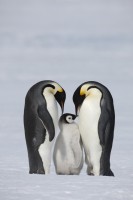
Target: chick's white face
(69, 119)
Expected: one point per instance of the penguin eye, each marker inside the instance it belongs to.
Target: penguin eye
(69, 119)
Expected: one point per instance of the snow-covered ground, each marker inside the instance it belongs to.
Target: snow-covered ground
(69, 41)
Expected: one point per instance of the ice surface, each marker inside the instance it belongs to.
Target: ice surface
(68, 41)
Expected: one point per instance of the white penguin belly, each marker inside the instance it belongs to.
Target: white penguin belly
(88, 124)
(46, 148)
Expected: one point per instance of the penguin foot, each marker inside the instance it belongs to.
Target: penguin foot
(33, 172)
(40, 171)
(110, 173)
(91, 174)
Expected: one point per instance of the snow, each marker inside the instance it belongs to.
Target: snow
(70, 42)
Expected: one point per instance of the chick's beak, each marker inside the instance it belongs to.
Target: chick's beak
(74, 117)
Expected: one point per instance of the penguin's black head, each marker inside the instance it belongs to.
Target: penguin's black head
(67, 118)
(60, 97)
(78, 99)
(58, 92)
(88, 88)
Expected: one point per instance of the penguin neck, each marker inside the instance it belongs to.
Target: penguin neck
(91, 102)
(51, 105)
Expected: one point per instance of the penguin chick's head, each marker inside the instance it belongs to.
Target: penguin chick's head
(84, 90)
(58, 92)
(67, 118)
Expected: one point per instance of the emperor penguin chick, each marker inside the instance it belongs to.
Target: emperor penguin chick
(68, 155)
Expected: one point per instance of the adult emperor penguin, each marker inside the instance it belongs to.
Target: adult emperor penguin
(68, 156)
(40, 121)
(94, 105)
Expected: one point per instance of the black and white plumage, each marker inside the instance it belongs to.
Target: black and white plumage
(95, 108)
(68, 156)
(40, 122)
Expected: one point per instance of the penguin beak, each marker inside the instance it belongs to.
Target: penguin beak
(62, 106)
(76, 110)
(74, 117)
(60, 98)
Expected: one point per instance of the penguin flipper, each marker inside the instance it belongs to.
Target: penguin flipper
(47, 121)
(106, 123)
(106, 133)
(104, 118)
(106, 139)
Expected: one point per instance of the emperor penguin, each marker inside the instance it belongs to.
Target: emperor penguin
(68, 156)
(40, 123)
(95, 108)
